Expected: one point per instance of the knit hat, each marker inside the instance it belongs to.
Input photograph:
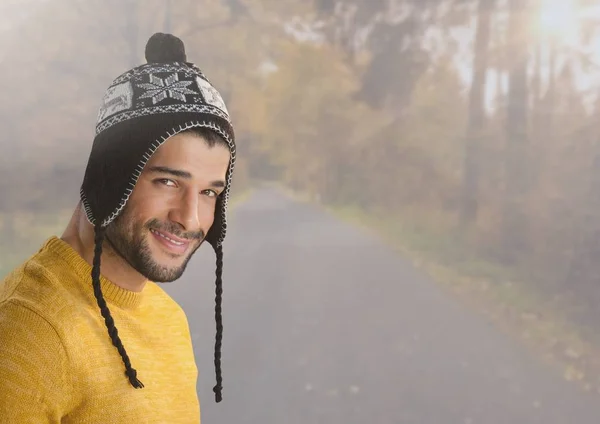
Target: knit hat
(141, 109)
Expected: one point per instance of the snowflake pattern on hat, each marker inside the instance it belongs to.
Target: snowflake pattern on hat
(159, 89)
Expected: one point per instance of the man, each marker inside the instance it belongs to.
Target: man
(155, 187)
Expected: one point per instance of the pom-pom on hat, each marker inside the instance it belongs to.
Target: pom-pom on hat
(141, 109)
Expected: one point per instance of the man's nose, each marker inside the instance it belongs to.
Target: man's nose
(186, 213)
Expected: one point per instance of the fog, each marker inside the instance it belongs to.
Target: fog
(414, 220)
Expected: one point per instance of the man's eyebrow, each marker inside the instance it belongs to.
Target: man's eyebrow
(166, 170)
(218, 184)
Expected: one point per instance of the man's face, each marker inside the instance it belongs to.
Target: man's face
(171, 208)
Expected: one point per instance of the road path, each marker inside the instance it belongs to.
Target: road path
(325, 324)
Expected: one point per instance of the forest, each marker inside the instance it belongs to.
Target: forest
(466, 131)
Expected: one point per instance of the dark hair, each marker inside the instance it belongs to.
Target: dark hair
(211, 137)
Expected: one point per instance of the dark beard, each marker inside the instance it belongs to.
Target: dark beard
(131, 244)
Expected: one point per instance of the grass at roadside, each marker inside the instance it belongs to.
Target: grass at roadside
(23, 234)
(237, 198)
(493, 291)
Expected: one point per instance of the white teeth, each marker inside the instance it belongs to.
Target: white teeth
(178, 243)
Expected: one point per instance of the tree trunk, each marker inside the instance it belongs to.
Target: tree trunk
(517, 172)
(476, 123)
(581, 279)
(131, 32)
(550, 98)
(168, 15)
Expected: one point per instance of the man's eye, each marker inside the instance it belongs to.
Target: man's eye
(211, 193)
(166, 181)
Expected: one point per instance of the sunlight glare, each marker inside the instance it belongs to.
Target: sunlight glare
(559, 18)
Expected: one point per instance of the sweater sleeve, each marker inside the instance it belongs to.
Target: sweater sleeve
(34, 386)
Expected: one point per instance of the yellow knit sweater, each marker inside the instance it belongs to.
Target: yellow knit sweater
(58, 364)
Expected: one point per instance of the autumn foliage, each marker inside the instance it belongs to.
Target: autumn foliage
(352, 104)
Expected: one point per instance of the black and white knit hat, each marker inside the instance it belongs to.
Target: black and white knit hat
(141, 109)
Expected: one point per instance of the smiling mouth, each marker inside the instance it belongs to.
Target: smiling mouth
(172, 240)
(173, 244)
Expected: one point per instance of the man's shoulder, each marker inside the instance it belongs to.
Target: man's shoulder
(36, 285)
(35, 304)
